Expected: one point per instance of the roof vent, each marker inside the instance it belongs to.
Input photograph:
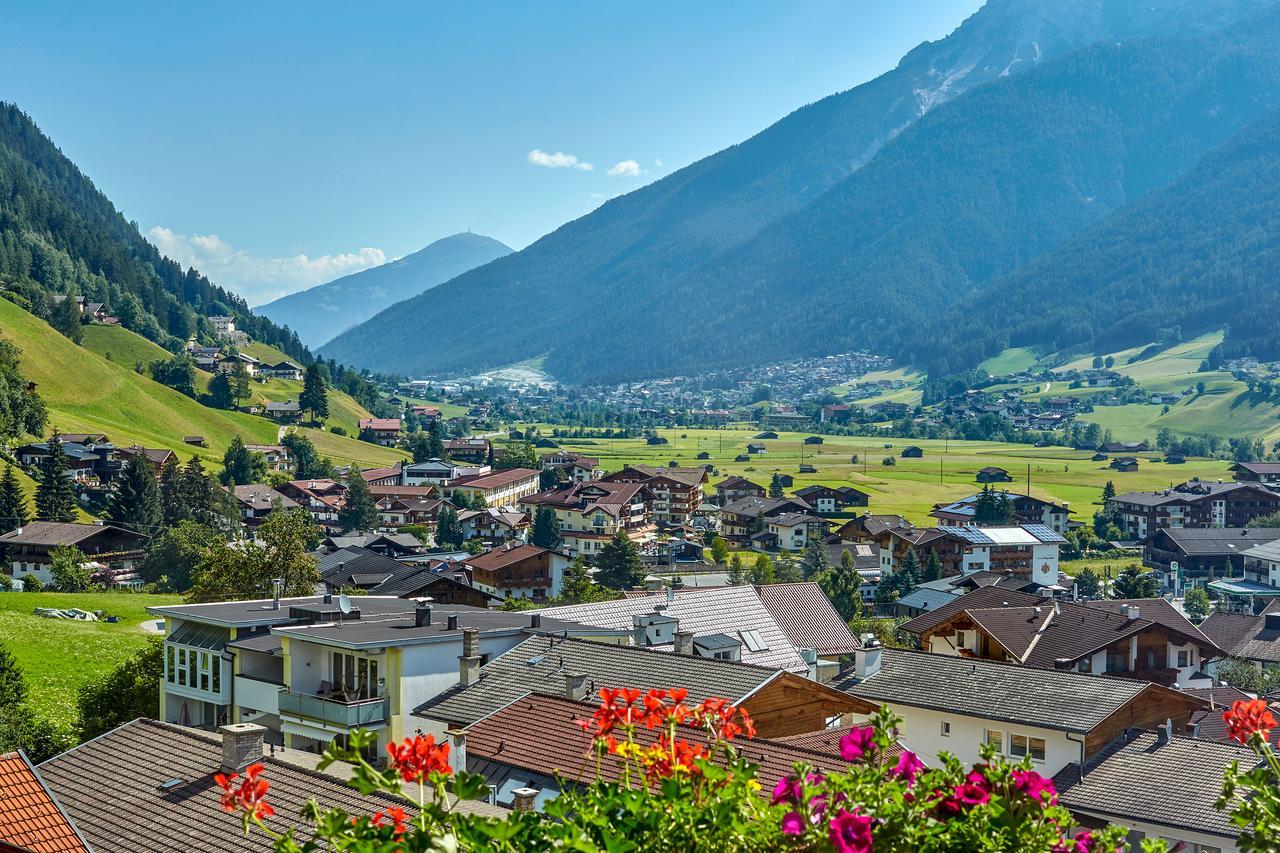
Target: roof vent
(170, 785)
(453, 621)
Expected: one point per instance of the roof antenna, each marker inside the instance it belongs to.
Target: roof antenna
(344, 605)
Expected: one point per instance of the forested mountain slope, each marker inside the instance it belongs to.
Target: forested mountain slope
(321, 312)
(59, 234)
(633, 252)
(1201, 254)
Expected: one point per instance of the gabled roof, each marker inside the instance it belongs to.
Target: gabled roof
(1211, 541)
(723, 610)
(807, 617)
(987, 596)
(1244, 636)
(261, 496)
(1158, 610)
(505, 555)
(339, 568)
(32, 819)
(541, 663)
(755, 505)
(110, 787)
(496, 480)
(1133, 779)
(1047, 698)
(55, 533)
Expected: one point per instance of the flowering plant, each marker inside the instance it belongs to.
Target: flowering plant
(1257, 813)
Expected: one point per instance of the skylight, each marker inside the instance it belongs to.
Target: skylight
(753, 641)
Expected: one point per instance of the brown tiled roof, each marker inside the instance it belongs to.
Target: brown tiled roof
(30, 816)
(827, 741)
(737, 482)
(504, 556)
(57, 533)
(807, 617)
(988, 596)
(378, 473)
(1213, 726)
(1238, 635)
(1139, 779)
(1158, 610)
(540, 733)
(262, 496)
(387, 424)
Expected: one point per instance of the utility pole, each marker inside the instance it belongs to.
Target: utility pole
(1028, 479)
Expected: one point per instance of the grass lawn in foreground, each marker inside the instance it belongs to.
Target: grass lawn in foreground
(59, 656)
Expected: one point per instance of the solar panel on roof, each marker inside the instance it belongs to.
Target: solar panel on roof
(1043, 532)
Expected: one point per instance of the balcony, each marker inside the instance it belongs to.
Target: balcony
(258, 694)
(331, 713)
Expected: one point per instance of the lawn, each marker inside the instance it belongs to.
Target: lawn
(1100, 565)
(59, 656)
(910, 487)
(1013, 360)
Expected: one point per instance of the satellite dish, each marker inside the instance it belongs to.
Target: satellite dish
(344, 604)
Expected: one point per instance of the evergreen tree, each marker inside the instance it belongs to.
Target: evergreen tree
(70, 569)
(359, 510)
(241, 466)
(842, 585)
(814, 562)
(546, 529)
(1108, 491)
(519, 454)
(419, 446)
(22, 411)
(719, 551)
(737, 576)
(933, 566)
(762, 572)
(578, 587)
(548, 478)
(435, 441)
(308, 464)
(618, 565)
(201, 498)
(1197, 604)
(1088, 584)
(13, 504)
(448, 528)
(315, 393)
(908, 574)
(135, 505)
(786, 570)
(886, 591)
(775, 486)
(220, 394)
(172, 501)
(1132, 582)
(55, 498)
(239, 382)
(66, 318)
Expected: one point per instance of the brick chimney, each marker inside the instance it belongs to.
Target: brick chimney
(684, 643)
(575, 686)
(241, 745)
(524, 798)
(469, 660)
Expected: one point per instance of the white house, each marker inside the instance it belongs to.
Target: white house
(1027, 548)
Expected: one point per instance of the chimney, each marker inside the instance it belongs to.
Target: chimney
(523, 799)
(453, 621)
(1195, 730)
(469, 660)
(866, 660)
(671, 595)
(328, 598)
(277, 584)
(422, 615)
(684, 643)
(575, 686)
(457, 739)
(241, 745)
(1129, 611)
(1164, 732)
(639, 630)
(535, 620)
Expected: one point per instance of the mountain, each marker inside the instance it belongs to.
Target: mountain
(59, 235)
(1202, 253)
(320, 312)
(659, 245)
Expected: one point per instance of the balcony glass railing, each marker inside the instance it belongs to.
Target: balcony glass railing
(333, 712)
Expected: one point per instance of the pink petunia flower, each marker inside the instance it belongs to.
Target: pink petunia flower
(850, 832)
(857, 743)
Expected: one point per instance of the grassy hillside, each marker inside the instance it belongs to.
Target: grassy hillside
(911, 486)
(85, 392)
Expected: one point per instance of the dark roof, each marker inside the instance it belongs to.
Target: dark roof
(1048, 698)
(540, 733)
(1210, 541)
(505, 555)
(987, 596)
(258, 612)
(32, 819)
(827, 741)
(110, 787)
(1243, 636)
(807, 617)
(1158, 610)
(541, 662)
(1139, 779)
(1211, 722)
(338, 567)
(55, 533)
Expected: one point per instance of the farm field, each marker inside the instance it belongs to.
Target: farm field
(911, 486)
(59, 656)
(85, 392)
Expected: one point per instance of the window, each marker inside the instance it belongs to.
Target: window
(171, 673)
(356, 674)
(1021, 745)
(959, 639)
(1037, 749)
(1085, 665)
(1184, 659)
(946, 728)
(996, 739)
(182, 667)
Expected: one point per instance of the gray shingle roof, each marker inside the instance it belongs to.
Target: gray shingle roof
(1173, 784)
(1244, 636)
(109, 786)
(337, 568)
(540, 664)
(1209, 541)
(720, 610)
(1049, 698)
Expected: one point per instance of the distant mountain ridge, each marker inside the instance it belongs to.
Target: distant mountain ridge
(321, 312)
(676, 250)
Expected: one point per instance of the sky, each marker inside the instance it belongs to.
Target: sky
(279, 145)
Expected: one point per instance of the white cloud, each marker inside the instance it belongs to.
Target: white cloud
(657, 164)
(558, 160)
(259, 280)
(627, 168)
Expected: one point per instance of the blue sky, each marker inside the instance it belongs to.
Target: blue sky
(278, 145)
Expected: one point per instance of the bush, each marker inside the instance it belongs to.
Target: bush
(337, 430)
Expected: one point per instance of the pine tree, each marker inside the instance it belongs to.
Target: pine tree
(241, 466)
(786, 570)
(66, 318)
(435, 442)
(578, 587)
(135, 505)
(239, 382)
(546, 529)
(448, 528)
(1108, 491)
(908, 574)
(13, 504)
(220, 395)
(737, 576)
(315, 393)
(843, 586)
(55, 498)
(775, 486)
(762, 572)
(172, 504)
(933, 566)
(359, 510)
(814, 562)
(197, 492)
(618, 564)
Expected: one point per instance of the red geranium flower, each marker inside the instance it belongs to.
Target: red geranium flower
(417, 758)
(1247, 717)
(248, 796)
